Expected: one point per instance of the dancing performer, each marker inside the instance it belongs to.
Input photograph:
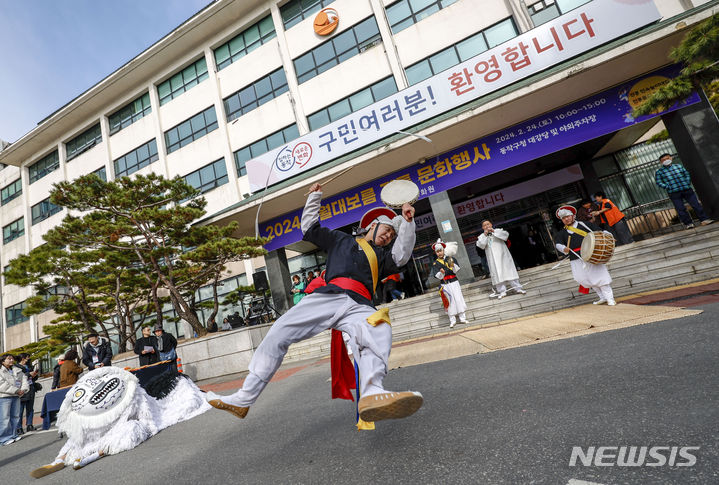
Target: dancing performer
(445, 268)
(588, 275)
(354, 266)
(501, 265)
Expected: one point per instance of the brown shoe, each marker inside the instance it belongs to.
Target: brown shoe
(238, 411)
(389, 405)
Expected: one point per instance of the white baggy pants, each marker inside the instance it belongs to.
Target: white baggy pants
(313, 314)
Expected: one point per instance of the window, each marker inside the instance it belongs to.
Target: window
(130, 113)
(264, 145)
(208, 177)
(404, 13)
(13, 230)
(182, 81)
(294, 11)
(190, 130)
(102, 173)
(133, 161)
(256, 94)
(43, 210)
(10, 191)
(245, 42)
(43, 167)
(545, 10)
(340, 48)
(83, 142)
(461, 51)
(13, 315)
(358, 100)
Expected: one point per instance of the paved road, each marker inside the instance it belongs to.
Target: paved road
(505, 417)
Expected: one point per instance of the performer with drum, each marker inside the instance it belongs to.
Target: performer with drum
(354, 266)
(596, 246)
(445, 269)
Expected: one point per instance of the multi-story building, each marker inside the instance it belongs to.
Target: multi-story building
(496, 108)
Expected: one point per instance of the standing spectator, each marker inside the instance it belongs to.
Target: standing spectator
(27, 401)
(535, 249)
(146, 347)
(501, 264)
(584, 213)
(613, 219)
(298, 289)
(96, 352)
(13, 385)
(676, 181)
(56, 373)
(390, 291)
(166, 344)
(69, 370)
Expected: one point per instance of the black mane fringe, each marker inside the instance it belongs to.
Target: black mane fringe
(162, 385)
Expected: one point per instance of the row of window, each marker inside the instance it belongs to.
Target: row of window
(270, 142)
(343, 107)
(461, 51)
(542, 11)
(10, 191)
(14, 316)
(338, 49)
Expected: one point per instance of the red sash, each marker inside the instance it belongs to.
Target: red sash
(341, 368)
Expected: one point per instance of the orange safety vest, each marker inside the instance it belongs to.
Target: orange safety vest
(613, 215)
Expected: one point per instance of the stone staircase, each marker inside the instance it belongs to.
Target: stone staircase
(662, 262)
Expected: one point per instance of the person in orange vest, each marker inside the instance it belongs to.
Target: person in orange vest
(610, 215)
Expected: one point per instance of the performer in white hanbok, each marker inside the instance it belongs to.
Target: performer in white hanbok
(500, 262)
(354, 265)
(569, 241)
(445, 269)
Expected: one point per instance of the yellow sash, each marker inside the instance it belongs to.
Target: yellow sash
(381, 315)
(576, 230)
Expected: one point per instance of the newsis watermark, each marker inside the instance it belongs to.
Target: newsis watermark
(634, 456)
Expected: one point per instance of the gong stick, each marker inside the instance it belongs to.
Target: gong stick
(334, 177)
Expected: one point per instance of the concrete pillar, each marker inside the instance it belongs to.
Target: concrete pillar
(278, 273)
(695, 132)
(449, 231)
(591, 181)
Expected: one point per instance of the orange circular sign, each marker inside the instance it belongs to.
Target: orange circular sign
(326, 21)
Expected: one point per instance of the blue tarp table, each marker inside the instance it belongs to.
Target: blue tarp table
(53, 400)
(51, 405)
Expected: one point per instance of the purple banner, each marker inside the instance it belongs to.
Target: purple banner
(571, 125)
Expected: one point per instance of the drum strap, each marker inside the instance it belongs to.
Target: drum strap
(576, 231)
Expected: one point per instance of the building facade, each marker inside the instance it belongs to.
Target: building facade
(243, 80)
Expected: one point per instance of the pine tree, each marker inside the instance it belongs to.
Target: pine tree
(699, 53)
(151, 218)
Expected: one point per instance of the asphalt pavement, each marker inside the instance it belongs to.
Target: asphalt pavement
(510, 416)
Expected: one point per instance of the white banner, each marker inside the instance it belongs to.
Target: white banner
(567, 36)
(507, 195)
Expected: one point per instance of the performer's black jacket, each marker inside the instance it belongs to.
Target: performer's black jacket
(449, 274)
(346, 259)
(573, 240)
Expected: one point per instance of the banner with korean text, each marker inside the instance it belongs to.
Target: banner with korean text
(584, 120)
(569, 35)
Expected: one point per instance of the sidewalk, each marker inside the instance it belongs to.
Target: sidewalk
(632, 310)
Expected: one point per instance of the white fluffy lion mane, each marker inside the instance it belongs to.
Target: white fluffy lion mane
(137, 416)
